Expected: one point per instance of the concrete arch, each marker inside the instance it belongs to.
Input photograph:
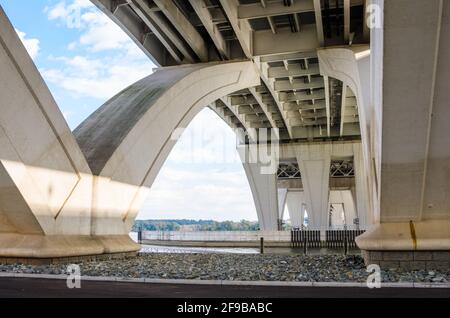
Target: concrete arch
(129, 138)
(68, 194)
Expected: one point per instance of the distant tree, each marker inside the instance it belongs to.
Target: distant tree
(202, 225)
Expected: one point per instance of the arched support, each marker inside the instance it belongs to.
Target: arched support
(351, 65)
(265, 195)
(314, 164)
(260, 162)
(65, 194)
(127, 140)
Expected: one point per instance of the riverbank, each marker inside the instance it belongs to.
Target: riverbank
(242, 267)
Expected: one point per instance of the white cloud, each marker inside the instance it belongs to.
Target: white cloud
(90, 74)
(220, 195)
(70, 14)
(202, 190)
(206, 140)
(95, 77)
(102, 33)
(31, 44)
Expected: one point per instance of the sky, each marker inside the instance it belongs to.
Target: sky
(85, 59)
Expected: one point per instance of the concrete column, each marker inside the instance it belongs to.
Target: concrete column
(296, 207)
(314, 163)
(361, 191)
(265, 195)
(412, 225)
(282, 193)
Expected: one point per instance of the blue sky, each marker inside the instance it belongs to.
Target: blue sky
(85, 59)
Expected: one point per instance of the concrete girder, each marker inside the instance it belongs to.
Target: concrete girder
(184, 27)
(302, 96)
(288, 57)
(245, 36)
(347, 21)
(130, 23)
(231, 120)
(265, 42)
(294, 106)
(319, 24)
(212, 28)
(263, 105)
(299, 84)
(242, 29)
(255, 10)
(164, 32)
(294, 70)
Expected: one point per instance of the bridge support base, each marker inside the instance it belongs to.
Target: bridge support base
(66, 260)
(408, 245)
(409, 260)
(56, 248)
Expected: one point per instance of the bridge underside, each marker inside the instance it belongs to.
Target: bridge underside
(361, 129)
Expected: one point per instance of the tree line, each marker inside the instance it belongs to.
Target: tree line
(194, 225)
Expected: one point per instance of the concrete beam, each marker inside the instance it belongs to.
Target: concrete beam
(255, 10)
(263, 106)
(327, 103)
(242, 29)
(142, 10)
(301, 96)
(184, 27)
(265, 42)
(319, 24)
(298, 84)
(205, 16)
(346, 21)
(132, 25)
(294, 70)
(288, 57)
(343, 107)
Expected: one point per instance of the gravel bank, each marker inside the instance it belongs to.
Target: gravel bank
(270, 267)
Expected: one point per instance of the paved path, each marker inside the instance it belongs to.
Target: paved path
(33, 287)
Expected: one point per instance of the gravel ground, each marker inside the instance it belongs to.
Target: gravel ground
(270, 267)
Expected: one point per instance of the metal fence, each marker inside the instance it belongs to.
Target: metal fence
(305, 238)
(341, 238)
(333, 238)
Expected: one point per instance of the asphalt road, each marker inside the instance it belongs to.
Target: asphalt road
(33, 287)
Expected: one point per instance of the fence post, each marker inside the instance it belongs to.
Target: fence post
(140, 236)
(305, 243)
(345, 240)
(261, 245)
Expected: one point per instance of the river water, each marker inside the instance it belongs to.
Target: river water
(236, 250)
